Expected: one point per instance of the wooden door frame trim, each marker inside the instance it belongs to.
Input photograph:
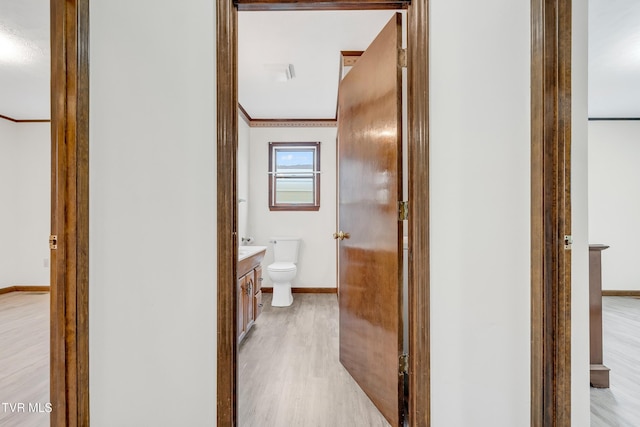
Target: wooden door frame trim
(418, 152)
(69, 385)
(550, 213)
(419, 267)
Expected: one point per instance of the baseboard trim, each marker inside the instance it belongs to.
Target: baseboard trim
(305, 290)
(25, 288)
(609, 293)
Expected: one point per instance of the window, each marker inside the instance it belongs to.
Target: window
(294, 176)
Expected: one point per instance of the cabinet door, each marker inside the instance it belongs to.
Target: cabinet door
(242, 325)
(248, 300)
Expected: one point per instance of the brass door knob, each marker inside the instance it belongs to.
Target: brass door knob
(341, 235)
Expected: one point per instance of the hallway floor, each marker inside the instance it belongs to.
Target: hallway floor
(619, 405)
(24, 359)
(289, 372)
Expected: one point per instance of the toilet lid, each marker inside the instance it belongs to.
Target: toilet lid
(282, 266)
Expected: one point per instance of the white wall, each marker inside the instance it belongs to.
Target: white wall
(480, 212)
(152, 295)
(614, 200)
(25, 194)
(243, 179)
(317, 256)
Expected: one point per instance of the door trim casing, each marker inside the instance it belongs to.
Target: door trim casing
(69, 379)
(227, 126)
(550, 212)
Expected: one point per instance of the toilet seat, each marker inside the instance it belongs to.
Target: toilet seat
(282, 266)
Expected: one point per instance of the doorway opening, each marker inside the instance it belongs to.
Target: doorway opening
(418, 401)
(313, 93)
(25, 147)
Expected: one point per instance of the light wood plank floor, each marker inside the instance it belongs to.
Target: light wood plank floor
(289, 373)
(24, 358)
(619, 405)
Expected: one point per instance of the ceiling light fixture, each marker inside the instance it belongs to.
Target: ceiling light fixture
(13, 49)
(8, 48)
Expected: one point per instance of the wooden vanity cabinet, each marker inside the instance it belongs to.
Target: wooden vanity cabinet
(249, 292)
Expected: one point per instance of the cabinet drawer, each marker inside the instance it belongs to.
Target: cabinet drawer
(257, 304)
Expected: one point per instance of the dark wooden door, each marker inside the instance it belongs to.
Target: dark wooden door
(370, 251)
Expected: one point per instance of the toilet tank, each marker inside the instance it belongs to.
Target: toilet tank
(285, 249)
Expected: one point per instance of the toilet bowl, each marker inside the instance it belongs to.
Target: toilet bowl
(283, 270)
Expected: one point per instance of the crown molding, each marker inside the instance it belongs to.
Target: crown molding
(252, 5)
(24, 121)
(244, 115)
(285, 123)
(299, 123)
(613, 119)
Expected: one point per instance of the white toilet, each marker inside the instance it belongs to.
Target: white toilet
(283, 270)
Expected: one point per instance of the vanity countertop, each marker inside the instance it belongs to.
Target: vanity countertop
(247, 251)
(249, 257)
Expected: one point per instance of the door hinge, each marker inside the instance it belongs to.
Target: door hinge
(403, 211)
(403, 366)
(53, 241)
(568, 241)
(402, 58)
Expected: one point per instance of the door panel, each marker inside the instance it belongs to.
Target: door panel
(370, 186)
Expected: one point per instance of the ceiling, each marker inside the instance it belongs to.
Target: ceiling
(614, 58)
(312, 42)
(24, 59)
